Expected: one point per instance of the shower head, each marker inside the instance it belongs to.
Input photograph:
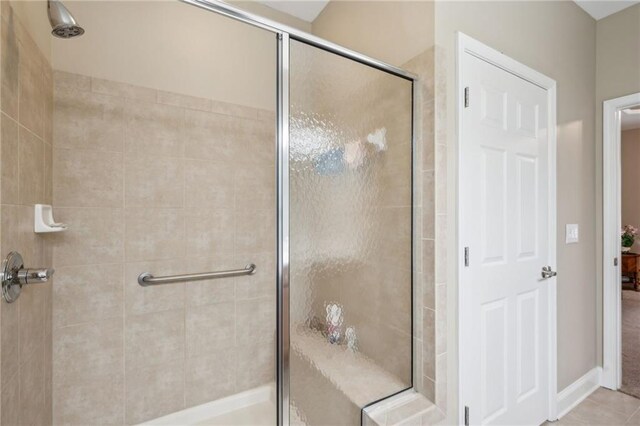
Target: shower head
(62, 21)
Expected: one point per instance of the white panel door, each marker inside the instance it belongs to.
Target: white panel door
(504, 189)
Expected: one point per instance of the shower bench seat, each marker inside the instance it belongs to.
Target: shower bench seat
(333, 384)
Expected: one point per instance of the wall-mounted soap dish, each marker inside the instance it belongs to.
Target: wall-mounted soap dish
(44, 220)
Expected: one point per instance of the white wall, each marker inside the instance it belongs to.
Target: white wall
(252, 6)
(172, 46)
(630, 154)
(392, 31)
(33, 16)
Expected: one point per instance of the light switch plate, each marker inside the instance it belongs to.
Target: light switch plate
(572, 234)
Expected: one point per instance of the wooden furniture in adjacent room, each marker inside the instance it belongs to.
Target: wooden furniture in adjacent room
(631, 267)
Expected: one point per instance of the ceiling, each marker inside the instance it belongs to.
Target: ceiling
(602, 8)
(631, 121)
(308, 10)
(305, 10)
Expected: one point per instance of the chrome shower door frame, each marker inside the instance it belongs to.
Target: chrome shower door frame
(283, 36)
(282, 181)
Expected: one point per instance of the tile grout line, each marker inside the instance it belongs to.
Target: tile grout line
(91, 90)
(19, 196)
(633, 414)
(123, 203)
(184, 287)
(49, 294)
(234, 183)
(606, 406)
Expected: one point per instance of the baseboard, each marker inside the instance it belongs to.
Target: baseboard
(578, 391)
(201, 413)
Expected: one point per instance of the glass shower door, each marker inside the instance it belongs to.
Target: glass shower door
(350, 167)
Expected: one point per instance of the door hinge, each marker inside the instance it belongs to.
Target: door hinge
(466, 256)
(466, 97)
(615, 261)
(466, 416)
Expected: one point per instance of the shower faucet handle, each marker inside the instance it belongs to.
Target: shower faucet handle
(14, 275)
(34, 276)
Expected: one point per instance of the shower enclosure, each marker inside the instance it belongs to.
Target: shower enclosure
(350, 216)
(238, 197)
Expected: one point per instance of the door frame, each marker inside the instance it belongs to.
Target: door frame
(468, 45)
(611, 225)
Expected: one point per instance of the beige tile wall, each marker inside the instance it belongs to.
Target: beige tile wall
(441, 241)
(25, 151)
(429, 286)
(160, 182)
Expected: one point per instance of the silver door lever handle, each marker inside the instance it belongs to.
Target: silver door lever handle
(547, 272)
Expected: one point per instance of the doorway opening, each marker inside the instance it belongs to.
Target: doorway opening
(621, 252)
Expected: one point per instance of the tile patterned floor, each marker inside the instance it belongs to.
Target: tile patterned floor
(604, 407)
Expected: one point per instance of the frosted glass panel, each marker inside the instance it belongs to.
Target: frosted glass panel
(350, 230)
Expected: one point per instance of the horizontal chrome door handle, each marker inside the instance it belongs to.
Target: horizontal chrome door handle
(547, 272)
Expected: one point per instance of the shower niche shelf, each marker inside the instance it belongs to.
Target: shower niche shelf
(43, 220)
